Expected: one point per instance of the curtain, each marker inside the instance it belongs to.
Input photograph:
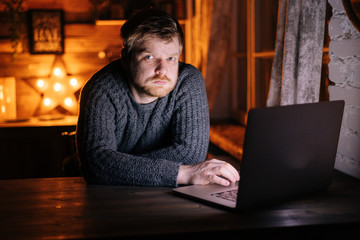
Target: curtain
(210, 42)
(296, 70)
(219, 41)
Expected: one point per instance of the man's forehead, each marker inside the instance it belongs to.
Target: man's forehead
(151, 44)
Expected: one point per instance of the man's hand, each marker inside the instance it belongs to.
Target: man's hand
(210, 171)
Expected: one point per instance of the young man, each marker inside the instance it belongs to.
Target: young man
(144, 119)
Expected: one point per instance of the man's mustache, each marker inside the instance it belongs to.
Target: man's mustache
(162, 78)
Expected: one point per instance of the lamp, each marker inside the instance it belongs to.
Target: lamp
(58, 89)
(7, 98)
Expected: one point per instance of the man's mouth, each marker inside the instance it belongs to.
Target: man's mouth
(163, 80)
(160, 82)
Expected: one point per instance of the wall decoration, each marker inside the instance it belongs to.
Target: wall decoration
(14, 13)
(58, 90)
(7, 98)
(46, 31)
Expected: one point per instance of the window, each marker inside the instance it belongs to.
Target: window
(253, 51)
(253, 45)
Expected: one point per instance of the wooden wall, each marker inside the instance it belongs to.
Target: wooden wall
(83, 42)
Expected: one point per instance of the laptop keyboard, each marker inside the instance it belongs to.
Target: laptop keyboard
(230, 195)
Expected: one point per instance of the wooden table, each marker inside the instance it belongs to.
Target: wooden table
(68, 208)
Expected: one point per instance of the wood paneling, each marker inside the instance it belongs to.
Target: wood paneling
(83, 42)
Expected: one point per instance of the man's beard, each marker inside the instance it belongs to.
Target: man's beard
(150, 88)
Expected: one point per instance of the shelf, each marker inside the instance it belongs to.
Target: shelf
(40, 122)
(109, 22)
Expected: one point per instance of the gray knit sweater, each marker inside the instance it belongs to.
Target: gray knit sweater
(121, 142)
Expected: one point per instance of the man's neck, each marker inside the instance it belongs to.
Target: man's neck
(141, 98)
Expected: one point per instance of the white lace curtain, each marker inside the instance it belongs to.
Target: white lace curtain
(296, 70)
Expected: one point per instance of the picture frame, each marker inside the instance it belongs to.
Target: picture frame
(46, 31)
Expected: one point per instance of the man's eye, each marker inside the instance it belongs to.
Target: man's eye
(171, 59)
(149, 57)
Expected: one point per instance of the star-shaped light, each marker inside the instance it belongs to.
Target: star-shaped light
(59, 89)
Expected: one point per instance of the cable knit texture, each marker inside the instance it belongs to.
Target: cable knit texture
(121, 142)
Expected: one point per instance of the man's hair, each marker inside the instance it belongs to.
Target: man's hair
(147, 24)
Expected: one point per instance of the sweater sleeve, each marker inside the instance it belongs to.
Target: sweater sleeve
(101, 163)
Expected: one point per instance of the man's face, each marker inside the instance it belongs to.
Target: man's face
(154, 69)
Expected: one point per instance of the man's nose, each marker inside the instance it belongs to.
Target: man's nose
(161, 68)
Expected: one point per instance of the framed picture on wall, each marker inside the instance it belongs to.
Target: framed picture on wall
(46, 31)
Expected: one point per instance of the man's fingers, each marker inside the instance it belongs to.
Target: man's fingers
(227, 171)
(210, 171)
(224, 174)
(233, 171)
(219, 180)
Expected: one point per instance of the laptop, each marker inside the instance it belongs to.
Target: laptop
(288, 151)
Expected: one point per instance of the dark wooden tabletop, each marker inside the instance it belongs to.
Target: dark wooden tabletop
(68, 208)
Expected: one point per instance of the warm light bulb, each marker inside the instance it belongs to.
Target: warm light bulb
(57, 72)
(73, 82)
(47, 101)
(101, 55)
(1, 93)
(40, 83)
(68, 101)
(57, 87)
(3, 109)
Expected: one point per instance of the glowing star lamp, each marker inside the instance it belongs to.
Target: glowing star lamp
(59, 89)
